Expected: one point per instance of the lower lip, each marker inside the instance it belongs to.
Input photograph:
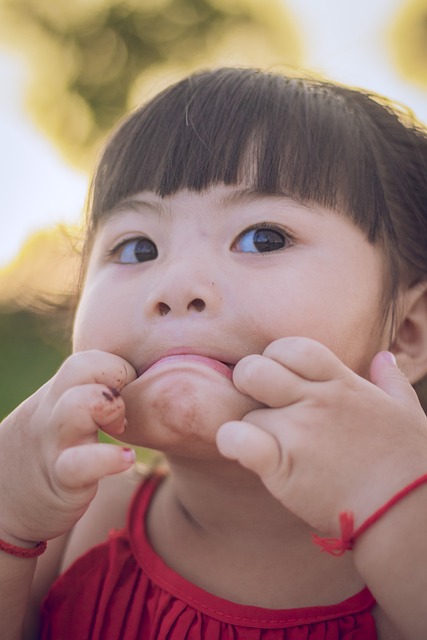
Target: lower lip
(216, 365)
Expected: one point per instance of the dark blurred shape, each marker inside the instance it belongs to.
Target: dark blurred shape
(87, 55)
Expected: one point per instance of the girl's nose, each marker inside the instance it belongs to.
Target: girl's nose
(181, 288)
(197, 305)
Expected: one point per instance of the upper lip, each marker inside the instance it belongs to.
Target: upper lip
(178, 351)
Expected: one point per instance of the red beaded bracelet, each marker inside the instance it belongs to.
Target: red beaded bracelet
(338, 546)
(21, 552)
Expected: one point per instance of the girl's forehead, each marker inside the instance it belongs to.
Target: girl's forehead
(215, 199)
(224, 195)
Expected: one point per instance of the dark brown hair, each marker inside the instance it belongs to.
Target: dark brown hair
(315, 141)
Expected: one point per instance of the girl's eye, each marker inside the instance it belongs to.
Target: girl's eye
(134, 251)
(261, 240)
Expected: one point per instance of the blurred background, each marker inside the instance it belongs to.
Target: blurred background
(70, 71)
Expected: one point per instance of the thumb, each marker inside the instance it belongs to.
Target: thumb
(386, 375)
(253, 447)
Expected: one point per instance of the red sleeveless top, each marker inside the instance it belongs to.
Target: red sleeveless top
(122, 590)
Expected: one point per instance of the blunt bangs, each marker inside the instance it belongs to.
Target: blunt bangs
(315, 141)
(290, 136)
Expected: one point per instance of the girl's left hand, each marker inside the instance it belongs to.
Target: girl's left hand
(328, 440)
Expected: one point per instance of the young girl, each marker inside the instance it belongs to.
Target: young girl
(255, 264)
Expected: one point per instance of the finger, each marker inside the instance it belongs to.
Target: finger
(82, 410)
(306, 358)
(88, 367)
(78, 467)
(252, 447)
(268, 381)
(386, 375)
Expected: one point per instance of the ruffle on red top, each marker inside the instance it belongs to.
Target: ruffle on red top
(122, 590)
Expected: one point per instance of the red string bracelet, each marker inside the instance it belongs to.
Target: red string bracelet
(338, 546)
(21, 552)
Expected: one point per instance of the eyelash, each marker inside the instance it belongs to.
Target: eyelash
(288, 240)
(111, 253)
(287, 236)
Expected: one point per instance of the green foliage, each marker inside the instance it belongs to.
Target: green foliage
(88, 55)
(32, 347)
(30, 353)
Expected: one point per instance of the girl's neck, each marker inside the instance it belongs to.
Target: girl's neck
(211, 521)
(223, 498)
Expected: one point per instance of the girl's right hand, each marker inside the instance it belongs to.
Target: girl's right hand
(50, 458)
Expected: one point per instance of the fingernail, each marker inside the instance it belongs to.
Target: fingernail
(128, 455)
(389, 357)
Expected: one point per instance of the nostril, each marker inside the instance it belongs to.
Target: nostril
(198, 304)
(163, 308)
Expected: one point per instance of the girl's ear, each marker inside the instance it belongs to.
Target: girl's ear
(410, 342)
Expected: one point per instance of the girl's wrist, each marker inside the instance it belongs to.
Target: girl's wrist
(349, 535)
(23, 549)
(9, 539)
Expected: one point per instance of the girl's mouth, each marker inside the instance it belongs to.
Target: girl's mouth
(223, 368)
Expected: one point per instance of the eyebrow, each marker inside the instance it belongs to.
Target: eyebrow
(242, 195)
(250, 194)
(135, 204)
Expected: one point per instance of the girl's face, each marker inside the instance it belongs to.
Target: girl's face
(185, 286)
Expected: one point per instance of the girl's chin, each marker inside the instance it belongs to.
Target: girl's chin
(181, 415)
